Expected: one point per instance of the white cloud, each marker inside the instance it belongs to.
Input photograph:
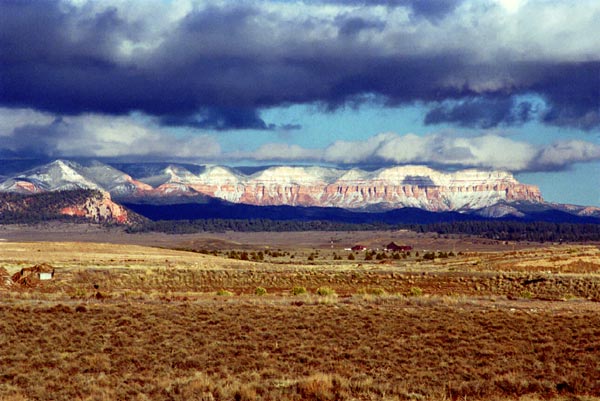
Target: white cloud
(481, 151)
(27, 132)
(488, 151)
(286, 152)
(93, 135)
(567, 152)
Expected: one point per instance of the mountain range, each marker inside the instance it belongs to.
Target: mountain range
(490, 194)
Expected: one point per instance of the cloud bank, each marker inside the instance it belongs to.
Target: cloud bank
(442, 151)
(33, 134)
(37, 134)
(217, 65)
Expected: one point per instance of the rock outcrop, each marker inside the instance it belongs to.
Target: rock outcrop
(100, 209)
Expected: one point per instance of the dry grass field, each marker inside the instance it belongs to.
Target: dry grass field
(132, 322)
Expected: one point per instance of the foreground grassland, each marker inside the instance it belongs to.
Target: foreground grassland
(126, 322)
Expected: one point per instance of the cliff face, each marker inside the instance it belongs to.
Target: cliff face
(405, 187)
(388, 188)
(99, 208)
(435, 198)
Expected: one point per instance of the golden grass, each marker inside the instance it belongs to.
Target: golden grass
(222, 350)
(139, 323)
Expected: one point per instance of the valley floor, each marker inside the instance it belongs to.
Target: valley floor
(133, 322)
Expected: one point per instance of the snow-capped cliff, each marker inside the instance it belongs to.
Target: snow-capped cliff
(388, 188)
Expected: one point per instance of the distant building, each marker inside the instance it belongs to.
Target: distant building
(358, 248)
(392, 246)
(31, 276)
(46, 275)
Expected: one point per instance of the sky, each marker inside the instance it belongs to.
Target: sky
(452, 84)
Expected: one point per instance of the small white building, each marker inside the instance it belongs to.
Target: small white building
(46, 275)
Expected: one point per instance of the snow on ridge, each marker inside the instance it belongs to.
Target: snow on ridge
(59, 175)
(399, 186)
(311, 175)
(218, 175)
(99, 175)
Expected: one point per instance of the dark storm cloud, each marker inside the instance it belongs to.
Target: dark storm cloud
(422, 8)
(432, 8)
(354, 25)
(37, 140)
(573, 92)
(218, 67)
(482, 112)
(55, 59)
(222, 119)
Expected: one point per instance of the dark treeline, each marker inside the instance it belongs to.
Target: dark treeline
(251, 225)
(538, 231)
(499, 230)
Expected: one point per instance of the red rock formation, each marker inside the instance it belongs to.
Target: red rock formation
(99, 209)
(365, 194)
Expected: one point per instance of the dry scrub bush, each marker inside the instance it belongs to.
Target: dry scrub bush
(325, 292)
(257, 350)
(377, 291)
(415, 292)
(318, 387)
(299, 290)
(260, 291)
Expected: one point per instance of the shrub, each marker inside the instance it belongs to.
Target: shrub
(325, 291)
(260, 291)
(317, 387)
(299, 290)
(376, 291)
(224, 293)
(79, 293)
(527, 295)
(351, 257)
(416, 291)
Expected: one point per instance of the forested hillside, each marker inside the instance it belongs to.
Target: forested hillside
(75, 205)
